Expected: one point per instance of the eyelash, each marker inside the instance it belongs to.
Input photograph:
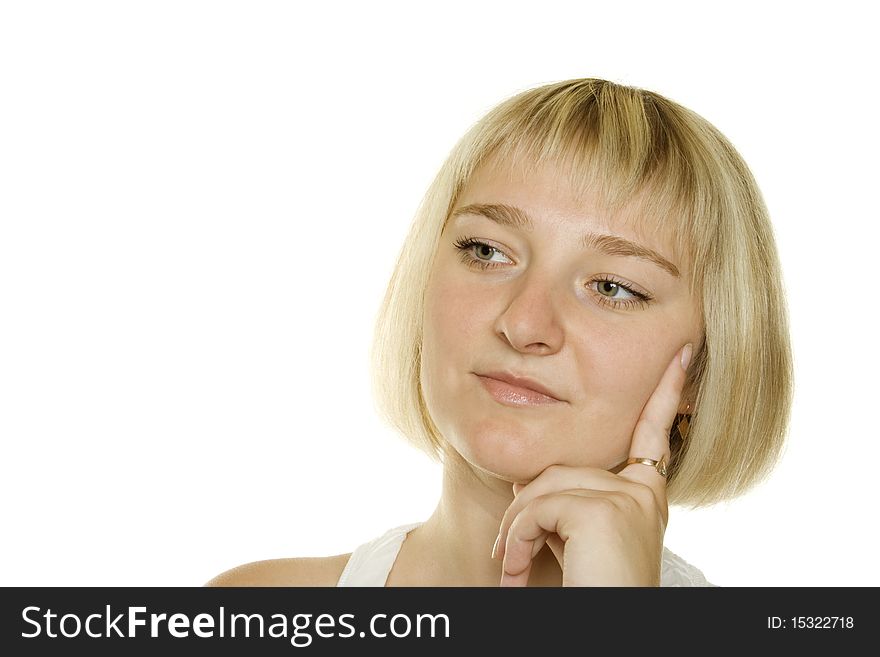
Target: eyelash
(465, 244)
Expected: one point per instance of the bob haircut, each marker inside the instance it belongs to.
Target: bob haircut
(633, 148)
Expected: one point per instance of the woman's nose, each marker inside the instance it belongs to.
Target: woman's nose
(528, 318)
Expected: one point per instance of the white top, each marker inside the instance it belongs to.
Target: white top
(371, 562)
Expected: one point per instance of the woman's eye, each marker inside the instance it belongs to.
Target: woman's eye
(611, 289)
(609, 293)
(476, 253)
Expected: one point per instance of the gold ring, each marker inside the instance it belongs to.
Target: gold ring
(659, 466)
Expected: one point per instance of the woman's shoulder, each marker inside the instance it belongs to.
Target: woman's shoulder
(300, 571)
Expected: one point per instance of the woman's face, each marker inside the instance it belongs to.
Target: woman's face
(549, 308)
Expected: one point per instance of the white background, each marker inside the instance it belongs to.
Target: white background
(202, 202)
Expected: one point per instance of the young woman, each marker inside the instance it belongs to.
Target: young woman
(586, 325)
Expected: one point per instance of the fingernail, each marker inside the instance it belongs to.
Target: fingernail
(495, 547)
(686, 356)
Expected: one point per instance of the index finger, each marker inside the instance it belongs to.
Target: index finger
(651, 436)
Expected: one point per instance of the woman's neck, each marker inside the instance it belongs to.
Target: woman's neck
(454, 546)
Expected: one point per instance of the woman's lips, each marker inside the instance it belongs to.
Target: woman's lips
(511, 395)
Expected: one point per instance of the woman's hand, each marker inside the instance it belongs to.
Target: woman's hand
(605, 529)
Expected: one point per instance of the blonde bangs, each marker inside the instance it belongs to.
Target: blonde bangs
(629, 151)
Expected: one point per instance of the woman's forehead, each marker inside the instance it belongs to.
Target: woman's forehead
(540, 194)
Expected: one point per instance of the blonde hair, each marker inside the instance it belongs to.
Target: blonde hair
(629, 146)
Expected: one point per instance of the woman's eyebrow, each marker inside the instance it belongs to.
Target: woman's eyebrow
(613, 245)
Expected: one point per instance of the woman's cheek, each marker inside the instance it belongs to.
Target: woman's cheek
(461, 310)
(638, 371)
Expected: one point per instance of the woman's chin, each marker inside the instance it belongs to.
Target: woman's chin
(517, 455)
(510, 456)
